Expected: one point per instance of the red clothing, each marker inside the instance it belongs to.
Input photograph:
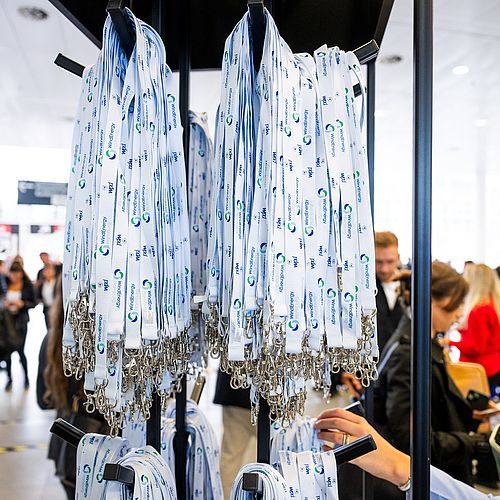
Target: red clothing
(481, 339)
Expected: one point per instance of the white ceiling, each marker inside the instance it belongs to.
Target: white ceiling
(38, 99)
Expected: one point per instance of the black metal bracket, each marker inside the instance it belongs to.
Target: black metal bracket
(66, 431)
(69, 65)
(257, 29)
(122, 24)
(367, 52)
(72, 435)
(117, 472)
(252, 483)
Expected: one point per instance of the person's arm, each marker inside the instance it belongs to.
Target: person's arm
(386, 462)
(476, 336)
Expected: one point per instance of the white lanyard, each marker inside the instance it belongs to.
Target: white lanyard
(289, 277)
(93, 453)
(127, 267)
(310, 475)
(273, 484)
(203, 470)
(153, 478)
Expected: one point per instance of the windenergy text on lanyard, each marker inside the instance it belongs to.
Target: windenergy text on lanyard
(290, 269)
(127, 281)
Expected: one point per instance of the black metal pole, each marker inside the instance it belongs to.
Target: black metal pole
(263, 433)
(370, 129)
(370, 147)
(180, 439)
(153, 424)
(421, 275)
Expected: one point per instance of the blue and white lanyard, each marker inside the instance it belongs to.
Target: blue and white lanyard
(290, 276)
(199, 196)
(274, 486)
(299, 436)
(153, 477)
(203, 455)
(310, 475)
(127, 283)
(93, 453)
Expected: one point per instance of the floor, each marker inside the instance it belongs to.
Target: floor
(25, 472)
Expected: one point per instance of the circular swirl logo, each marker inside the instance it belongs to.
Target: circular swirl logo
(111, 154)
(293, 324)
(147, 285)
(322, 193)
(133, 316)
(104, 250)
(118, 274)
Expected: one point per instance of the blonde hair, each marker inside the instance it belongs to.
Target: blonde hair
(484, 286)
(385, 239)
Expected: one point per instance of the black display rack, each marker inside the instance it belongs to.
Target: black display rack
(357, 25)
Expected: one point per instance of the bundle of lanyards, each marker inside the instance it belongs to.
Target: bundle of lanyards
(304, 475)
(203, 478)
(291, 282)
(127, 283)
(299, 436)
(153, 478)
(199, 193)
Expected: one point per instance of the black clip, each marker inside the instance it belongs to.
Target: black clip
(257, 29)
(252, 483)
(122, 24)
(117, 472)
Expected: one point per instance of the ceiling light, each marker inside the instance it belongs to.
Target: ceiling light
(481, 122)
(33, 13)
(394, 59)
(460, 70)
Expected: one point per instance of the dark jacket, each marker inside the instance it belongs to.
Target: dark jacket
(225, 395)
(21, 318)
(451, 417)
(387, 319)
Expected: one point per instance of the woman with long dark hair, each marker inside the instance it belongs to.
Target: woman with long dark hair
(19, 298)
(55, 390)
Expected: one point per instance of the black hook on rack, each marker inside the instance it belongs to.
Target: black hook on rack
(122, 24)
(257, 29)
(344, 454)
(72, 435)
(69, 65)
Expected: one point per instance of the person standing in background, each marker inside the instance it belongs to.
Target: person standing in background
(44, 257)
(19, 298)
(45, 290)
(389, 310)
(481, 329)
